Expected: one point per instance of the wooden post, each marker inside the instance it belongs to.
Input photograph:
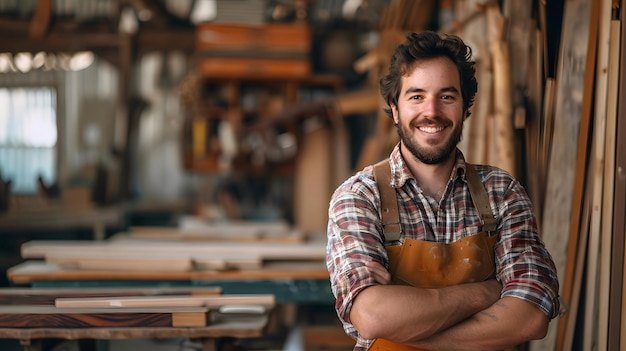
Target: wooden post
(503, 110)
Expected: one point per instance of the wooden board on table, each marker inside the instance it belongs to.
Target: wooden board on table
(150, 262)
(113, 260)
(31, 296)
(235, 227)
(163, 301)
(31, 271)
(309, 250)
(120, 291)
(216, 234)
(53, 317)
(193, 228)
(566, 167)
(227, 263)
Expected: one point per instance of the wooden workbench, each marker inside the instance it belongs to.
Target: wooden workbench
(89, 324)
(240, 327)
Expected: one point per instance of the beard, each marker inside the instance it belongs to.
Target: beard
(430, 153)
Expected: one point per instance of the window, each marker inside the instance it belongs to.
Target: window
(28, 137)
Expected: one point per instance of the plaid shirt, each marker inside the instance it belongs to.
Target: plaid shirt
(523, 265)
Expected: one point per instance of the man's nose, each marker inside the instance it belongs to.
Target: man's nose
(430, 107)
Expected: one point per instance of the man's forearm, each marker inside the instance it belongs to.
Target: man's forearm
(403, 313)
(507, 323)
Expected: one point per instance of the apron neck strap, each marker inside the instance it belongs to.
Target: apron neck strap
(389, 202)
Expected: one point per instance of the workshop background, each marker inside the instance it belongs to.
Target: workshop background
(186, 126)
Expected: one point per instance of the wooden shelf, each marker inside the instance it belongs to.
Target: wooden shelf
(250, 104)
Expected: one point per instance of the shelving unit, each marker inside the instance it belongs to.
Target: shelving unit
(257, 86)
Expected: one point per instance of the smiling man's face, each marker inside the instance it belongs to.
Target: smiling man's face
(429, 115)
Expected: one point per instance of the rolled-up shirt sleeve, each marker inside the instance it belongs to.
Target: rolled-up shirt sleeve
(353, 239)
(525, 267)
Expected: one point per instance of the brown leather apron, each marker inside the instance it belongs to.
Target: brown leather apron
(428, 264)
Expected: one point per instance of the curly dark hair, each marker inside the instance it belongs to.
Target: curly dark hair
(427, 45)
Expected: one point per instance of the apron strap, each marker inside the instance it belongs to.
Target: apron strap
(389, 202)
(480, 199)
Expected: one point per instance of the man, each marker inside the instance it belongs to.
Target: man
(461, 266)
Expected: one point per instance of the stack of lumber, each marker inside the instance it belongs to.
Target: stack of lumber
(583, 214)
(192, 228)
(123, 308)
(169, 250)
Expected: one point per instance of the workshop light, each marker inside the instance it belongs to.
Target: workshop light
(25, 61)
(81, 60)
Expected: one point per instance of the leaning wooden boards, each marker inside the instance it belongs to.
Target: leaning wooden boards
(562, 209)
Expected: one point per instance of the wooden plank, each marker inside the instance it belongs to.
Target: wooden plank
(227, 263)
(30, 271)
(314, 249)
(113, 260)
(532, 131)
(471, 23)
(201, 235)
(30, 296)
(503, 105)
(118, 291)
(235, 227)
(572, 310)
(190, 319)
(617, 313)
(53, 317)
(520, 35)
(547, 130)
(609, 181)
(613, 269)
(313, 183)
(594, 330)
(590, 320)
(150, 262)
(162, 301)
(567, 163)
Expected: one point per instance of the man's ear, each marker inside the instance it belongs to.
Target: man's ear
(394, 113)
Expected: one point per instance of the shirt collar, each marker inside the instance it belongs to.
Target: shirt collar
(401, 173)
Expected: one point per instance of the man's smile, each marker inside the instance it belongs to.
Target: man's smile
(431, 129)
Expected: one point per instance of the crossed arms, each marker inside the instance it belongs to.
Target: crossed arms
(463, 317)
